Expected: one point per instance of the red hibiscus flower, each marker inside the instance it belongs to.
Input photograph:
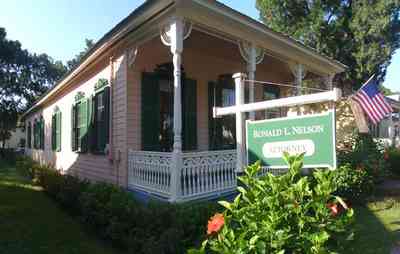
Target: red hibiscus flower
(334, 209)
(215, 223)
(386, 156)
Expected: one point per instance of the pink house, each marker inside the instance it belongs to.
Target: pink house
(137, 111)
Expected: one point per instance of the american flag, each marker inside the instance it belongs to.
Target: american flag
(372, 101)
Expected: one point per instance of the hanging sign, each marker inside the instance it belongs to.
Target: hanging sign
(313, 135)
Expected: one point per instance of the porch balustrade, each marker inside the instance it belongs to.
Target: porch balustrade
(200, 174)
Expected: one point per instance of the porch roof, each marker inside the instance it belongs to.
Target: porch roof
(213, 15)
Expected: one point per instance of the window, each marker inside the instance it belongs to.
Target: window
(29, 135)
(79, 123)
(271, 93)
(101, 120)
(56, 131)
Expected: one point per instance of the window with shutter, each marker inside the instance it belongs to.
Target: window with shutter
(222, 131)
(80, 123)
(58, 131)
(42, 134)
(100, 119)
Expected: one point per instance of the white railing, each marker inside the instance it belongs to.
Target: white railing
(207, 173)
(150, 171)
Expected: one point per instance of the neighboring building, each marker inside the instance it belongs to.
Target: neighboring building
(17, 139)
(388, 130)
(111, 119)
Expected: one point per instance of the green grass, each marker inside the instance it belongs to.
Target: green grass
(32, 223)
(377, 226)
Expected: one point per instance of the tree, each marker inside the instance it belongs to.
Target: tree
(77, 59)
(362, 34)
(386, 91)
(23, 78)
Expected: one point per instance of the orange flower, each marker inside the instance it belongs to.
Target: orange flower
(215, 223)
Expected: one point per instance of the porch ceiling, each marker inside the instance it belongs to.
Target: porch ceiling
(224, 20)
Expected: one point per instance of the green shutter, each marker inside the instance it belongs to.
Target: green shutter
(189, 118)
(214, 124)
(150, 112)
(29, 135)
(107, 127)
(41, 133)
(84, 111)
(74, 144)
(58, 131)
(92, 130)
(53, 132)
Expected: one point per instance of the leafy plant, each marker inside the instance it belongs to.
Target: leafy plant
(353, 184)
(281, 214)
(392, 157)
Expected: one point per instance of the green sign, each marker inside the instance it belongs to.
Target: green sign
(313, 135)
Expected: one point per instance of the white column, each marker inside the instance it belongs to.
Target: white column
(298, 73)
(176, 33)
(239, 99)
(391, 130)
(251, 69)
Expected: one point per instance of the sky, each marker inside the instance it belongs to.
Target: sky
(59, 28)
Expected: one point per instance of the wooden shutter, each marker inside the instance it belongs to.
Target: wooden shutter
(74, 144)
(53, 132)
(42, 133)
(29, 134)
(92, 131)
(106, 100)
(214, 124)
(58, 131)
(189, 118)
(150, 112)
(83, 139)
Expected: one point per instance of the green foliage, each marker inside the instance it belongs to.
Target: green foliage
(25, 166)
(393, 160)
(366, 155)
(353, 184)
(361, 34)
(114, 215)
(282, 214)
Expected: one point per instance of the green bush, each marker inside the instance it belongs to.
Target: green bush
(25, 166)
(70, 191)
(281, 214)
(354, 185)
(393, 160)
(8, 155)
(366, 154)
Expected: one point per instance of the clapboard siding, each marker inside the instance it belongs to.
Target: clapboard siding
(92, 167)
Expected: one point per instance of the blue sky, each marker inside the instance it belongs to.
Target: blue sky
(60, 27)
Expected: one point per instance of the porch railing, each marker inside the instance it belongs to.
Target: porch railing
(207, 173)
(150, 171)
(200, 174)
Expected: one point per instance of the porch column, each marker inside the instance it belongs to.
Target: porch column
(253, 55)
(391, 130)
(176, 33)
(299, 74)
(239, 98)
(251, 69)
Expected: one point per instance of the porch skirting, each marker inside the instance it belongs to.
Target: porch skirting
(200, 174)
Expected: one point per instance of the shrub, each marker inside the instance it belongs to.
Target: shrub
(366, 154)
(353, 184)
(25, 166)
(70, 191)
(393, 160)
(280, 214)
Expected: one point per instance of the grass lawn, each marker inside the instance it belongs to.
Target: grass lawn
(32, 223)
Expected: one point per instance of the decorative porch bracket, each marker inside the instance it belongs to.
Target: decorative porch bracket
(253, 55)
